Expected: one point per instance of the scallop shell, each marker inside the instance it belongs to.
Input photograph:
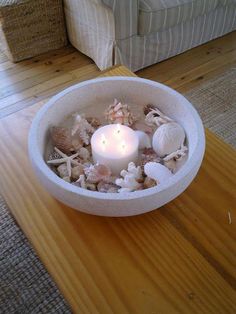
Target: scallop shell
(144, 140)
(96, 173)
(168, 138)
(62, 139)
(157, 172)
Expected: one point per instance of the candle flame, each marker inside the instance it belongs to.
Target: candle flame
(103, 138)
(118, 128)
(123, 146)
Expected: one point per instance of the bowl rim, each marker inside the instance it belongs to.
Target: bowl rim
(38, 160)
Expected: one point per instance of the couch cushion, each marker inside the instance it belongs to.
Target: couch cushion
(155, 15)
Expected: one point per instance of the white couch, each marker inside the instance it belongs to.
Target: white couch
(138, 33)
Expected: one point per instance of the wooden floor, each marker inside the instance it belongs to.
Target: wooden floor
(35, 80)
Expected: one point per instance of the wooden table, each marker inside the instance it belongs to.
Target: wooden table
(178, 259)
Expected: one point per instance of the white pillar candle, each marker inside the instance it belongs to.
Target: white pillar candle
(115, 146)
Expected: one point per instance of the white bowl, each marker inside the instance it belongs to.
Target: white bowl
(93, 97)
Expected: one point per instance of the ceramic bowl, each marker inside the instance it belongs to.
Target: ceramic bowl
(92, 97)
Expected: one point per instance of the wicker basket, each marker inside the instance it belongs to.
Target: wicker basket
(31, 27)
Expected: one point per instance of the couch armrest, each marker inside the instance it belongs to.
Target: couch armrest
(126, 17)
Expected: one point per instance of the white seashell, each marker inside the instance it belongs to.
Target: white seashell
(157, 172)
(84, 153)
(168, 138)
(156, 118)
(144, 140)
(63, 171)
(77, 171)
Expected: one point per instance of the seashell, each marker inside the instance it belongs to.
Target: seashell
(148, 108)
(168, 138)
(107, 187)
(63, 170)
(96, 173)
(157, 172)
(67, 179)
(61, 138)
(119, 113)
(94, 122)
(77, 142)
(148, 155)
(91, 186)
(149, 183)
(144, 140)
(170, 164)
(84, 153)
(77, 171)
(81, 182)
(156, 118)
(82, 128)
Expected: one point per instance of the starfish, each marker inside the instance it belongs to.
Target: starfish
(69, 160)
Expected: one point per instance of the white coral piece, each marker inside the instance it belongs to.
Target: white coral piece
(129, 182)
(83, 128)
(156, 118)
(178, 155)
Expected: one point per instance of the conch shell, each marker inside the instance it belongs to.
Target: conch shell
(168, 138)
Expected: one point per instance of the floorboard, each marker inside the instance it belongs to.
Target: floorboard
(35, 80)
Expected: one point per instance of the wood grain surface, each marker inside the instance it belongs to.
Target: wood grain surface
(28, 82)
(178, 259)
